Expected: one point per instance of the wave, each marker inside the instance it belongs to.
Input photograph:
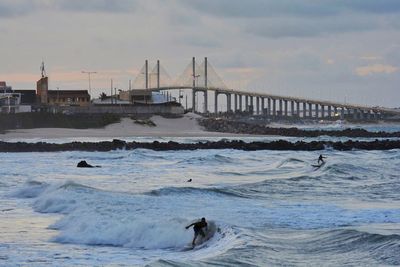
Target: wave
(146, 154)
(96, 156)
(96, 217)
(383, 248)
(30, 189)
(233, 173)
(139, 233)
(213, 159)
(167, 191)
(289, 160)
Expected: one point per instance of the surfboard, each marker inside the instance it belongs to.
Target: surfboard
(318, 165)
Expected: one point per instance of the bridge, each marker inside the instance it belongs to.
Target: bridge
(203, 80)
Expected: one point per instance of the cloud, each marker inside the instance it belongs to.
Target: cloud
(109, 6)
(330, 61)
(259, 8)
(301, 18)
(12, 8)
(376, 68)
(197, 41)
(306, 27)
(304, 8)
(372, 58)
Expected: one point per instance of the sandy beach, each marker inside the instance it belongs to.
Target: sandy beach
(186, 126)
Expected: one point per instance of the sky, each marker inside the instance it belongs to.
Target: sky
(338, 50)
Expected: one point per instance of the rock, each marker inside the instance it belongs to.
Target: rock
(84, 164)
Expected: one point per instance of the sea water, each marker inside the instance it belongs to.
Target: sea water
(272, 208)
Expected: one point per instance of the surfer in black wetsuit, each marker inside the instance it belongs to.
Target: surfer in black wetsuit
(198, 229)
(321, 158)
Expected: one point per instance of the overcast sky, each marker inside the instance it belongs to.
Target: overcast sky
(340, 50)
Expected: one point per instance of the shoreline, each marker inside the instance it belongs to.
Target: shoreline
(194, 125)
(186, 126)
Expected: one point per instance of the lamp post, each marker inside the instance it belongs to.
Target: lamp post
(89, 73)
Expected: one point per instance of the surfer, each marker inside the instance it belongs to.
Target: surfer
(198, 229)
(321, 159)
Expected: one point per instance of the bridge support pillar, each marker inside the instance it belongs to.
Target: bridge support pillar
(205, 101)
(342, 113)
(228, 103)
(246, 102)
(257, 105)
(298, 109)
(251, 108)
(304, 110)
(268, 107)
(329, 112)
(274, 108)
(361, 114)
(322, 111)
(263, 106)
(240, 103)
(316, 111)
(310, 110)
(286, 107)
(280, 108)
(194, 100)
(216, 102)
(236, 102)
(351, 112)
(355, 114)
(292, 112)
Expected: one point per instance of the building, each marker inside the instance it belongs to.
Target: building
(68, 98)
(4, 88)
(28, 97)
(10, 101)
(42, 87)
(136, 96)
(60, 97)
(140, 96)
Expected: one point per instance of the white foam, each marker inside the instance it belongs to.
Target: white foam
(94, 217)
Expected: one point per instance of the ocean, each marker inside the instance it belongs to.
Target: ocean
(271, 208)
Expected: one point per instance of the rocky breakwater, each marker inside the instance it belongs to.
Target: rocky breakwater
(238, 127)
(222, 144)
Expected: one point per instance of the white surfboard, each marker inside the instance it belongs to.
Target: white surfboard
(318, 165)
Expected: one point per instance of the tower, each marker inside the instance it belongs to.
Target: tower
(42, 86)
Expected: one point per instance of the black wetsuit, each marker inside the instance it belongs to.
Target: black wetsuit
(198, 228)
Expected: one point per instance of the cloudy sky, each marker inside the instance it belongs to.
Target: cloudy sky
(339, 50)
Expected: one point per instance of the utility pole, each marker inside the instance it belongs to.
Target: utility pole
(111, 100)
(89, 73)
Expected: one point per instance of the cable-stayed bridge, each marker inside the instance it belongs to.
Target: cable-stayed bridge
(202, 80)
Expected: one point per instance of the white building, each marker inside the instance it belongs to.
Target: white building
(10, 102)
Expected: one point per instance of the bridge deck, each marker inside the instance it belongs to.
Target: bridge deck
(278, 97)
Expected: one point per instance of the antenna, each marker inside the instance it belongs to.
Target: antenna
(42, 70)
(89, 73)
